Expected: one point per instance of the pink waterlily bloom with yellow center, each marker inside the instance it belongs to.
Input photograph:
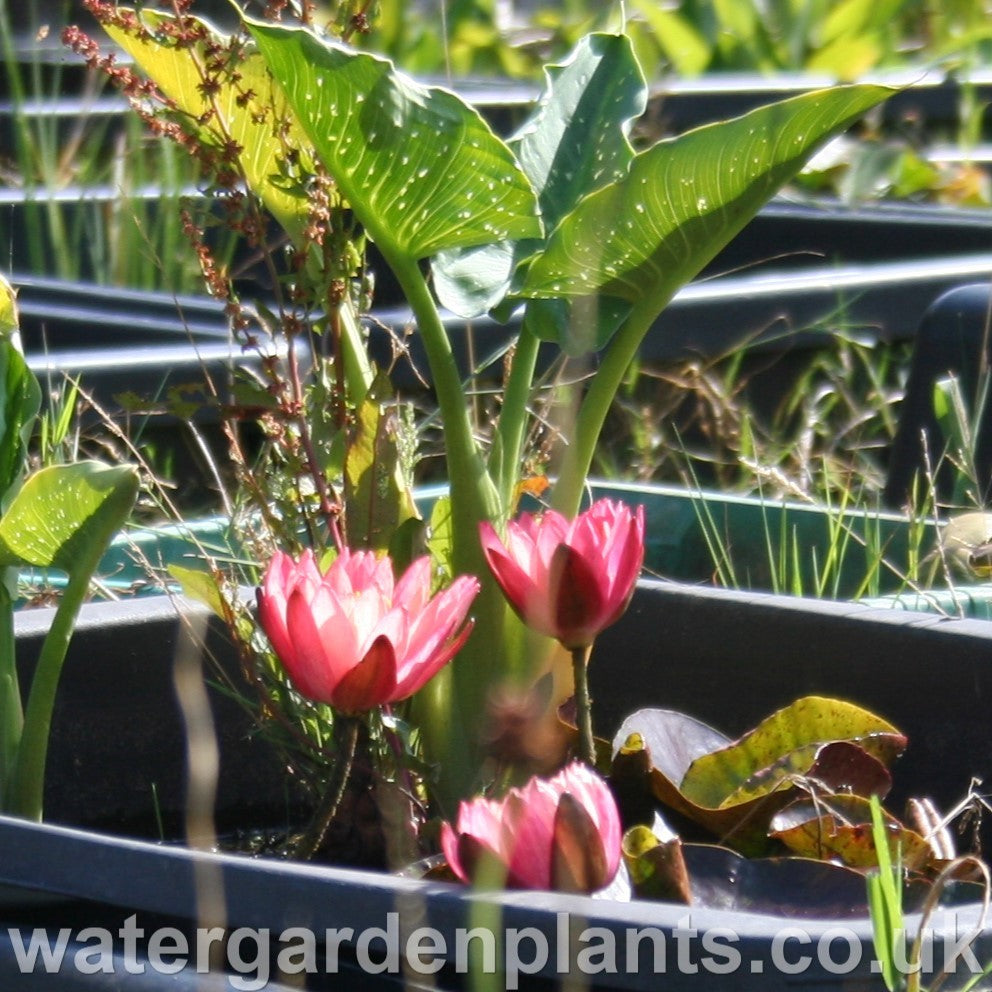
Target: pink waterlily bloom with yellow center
(353, 637)
(569, 579)
(561, 833)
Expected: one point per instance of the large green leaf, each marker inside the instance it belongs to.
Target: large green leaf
(246, 107)
(641, 238)
(420, 168)
(576, 142)
(64, 516)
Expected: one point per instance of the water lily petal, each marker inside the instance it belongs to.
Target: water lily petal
(370, 683)
(578, 861)
(578, 596)
(563, 832)
(413, 591)
(569, 579)
(307, 664)
(344, 636)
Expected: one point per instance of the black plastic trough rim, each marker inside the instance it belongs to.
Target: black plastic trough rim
(275, 895)
(263, 893)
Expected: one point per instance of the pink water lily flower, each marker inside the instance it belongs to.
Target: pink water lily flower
(561, 833)
(353, 638)
(569, 579)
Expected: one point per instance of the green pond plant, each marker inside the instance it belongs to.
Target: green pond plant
(580, 239)
(59, 517)
(566, 225)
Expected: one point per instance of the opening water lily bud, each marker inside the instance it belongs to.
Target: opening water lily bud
(569, 579)
(353, 638)
(560, 833)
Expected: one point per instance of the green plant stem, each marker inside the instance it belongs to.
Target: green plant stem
(11, 713)
(474, 497)
(451, 706)
(583, 704)
(27, 785)
(357, 370)
(605, 384)
(309, 843)
(512, 426)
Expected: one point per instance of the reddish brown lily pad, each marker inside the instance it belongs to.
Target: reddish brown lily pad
(839, 828)
(656, 867)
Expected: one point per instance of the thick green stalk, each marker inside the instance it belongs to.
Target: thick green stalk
(512, 427)
(357, 370)
(27, 785)
(11, 714)
(473, 495)
(605, 384)
(452, 707)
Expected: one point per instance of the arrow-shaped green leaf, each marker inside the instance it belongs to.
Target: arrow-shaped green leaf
(64, 516)
(419, 167)
(641, 238)
(376, 495)
(575, 143)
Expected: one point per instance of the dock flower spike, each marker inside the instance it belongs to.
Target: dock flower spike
(569, 579)
(561, 833)
(354, 638)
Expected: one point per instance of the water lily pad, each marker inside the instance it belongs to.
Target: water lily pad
(656, 867)
(734, 788)
(792, 887)
(784, 745)
(839, 827)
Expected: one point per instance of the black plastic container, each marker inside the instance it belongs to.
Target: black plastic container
(727, 658)
(954, 339)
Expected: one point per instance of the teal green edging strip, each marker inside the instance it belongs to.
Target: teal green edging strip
(972, 602)
(120, 570)
(752, 530)
(677, 546)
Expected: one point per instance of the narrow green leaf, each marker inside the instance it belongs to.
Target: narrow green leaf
(852, 19)
(641, 238)
(200, 586)
(885, 901)
(420, 167)
(681, 41)
(378, 502)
